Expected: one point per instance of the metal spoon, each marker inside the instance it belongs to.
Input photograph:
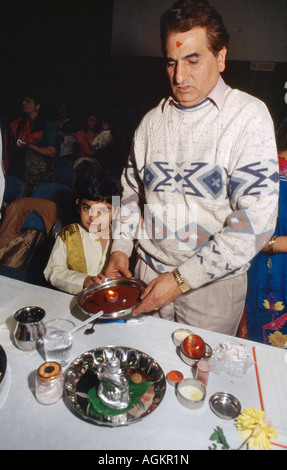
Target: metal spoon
(89, 320)
(90, 331)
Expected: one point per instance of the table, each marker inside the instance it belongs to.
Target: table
(26, 424)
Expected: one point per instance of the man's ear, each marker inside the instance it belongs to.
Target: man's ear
(221, 56)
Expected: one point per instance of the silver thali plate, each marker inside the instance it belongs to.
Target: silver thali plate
(92, 299)
(225, 405)
(3, 367)
(80, 378)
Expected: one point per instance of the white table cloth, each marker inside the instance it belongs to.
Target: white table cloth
(26, 424)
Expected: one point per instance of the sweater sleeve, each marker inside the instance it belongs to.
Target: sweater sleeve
(58, 274)
(253, 195)
(129, 217)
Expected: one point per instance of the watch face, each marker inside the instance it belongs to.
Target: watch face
(184, 287)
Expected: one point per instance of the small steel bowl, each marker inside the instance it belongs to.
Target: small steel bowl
(191, 362)
(191, 402)
(179, 335)
(225, 405)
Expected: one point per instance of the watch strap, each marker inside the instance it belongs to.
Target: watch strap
(181, 282)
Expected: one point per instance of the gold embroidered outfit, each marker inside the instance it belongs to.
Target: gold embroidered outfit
(75, 255)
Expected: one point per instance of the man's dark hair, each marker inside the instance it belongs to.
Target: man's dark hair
(185, 15)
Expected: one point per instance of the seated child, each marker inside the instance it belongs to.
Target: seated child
(104, 138)
(81, 250)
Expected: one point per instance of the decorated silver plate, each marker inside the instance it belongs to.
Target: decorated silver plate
(116, 296)
(81, 386)
(3, 367)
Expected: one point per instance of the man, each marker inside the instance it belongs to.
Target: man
(204, 172)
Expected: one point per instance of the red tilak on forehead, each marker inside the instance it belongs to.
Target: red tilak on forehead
(178, 43)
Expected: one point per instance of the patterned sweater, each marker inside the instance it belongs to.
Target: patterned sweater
(206, 181)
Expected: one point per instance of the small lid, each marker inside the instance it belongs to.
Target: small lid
(49, 371)
(225, 405)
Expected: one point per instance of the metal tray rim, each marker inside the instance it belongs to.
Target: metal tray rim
(109, 282)
(3, 366)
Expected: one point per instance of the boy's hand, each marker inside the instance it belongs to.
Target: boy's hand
(118, 265)
(93, 279)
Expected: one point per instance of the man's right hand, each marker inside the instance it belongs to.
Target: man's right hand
(118, 265)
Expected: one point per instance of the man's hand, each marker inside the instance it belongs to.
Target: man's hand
(118, 265)
(159, 293)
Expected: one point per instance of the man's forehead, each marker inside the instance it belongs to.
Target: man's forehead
(180, 39)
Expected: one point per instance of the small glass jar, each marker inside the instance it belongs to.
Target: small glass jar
(49, 383)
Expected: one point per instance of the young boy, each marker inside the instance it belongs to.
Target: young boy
(81, 250)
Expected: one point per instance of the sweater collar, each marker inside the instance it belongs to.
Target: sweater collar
(216, 96)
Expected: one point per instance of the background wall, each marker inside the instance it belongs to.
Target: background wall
(105, 54)
(257, 57)
(257, 28)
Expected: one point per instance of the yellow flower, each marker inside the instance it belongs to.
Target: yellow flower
(254, 429)
(277, 339)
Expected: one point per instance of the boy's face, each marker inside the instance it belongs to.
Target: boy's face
(96, 217)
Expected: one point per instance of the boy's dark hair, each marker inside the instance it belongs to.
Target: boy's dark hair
(97, 185)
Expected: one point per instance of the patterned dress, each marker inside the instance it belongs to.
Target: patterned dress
(266, 300)
(37, 168)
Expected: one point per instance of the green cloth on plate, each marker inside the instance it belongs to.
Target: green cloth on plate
(97, 408)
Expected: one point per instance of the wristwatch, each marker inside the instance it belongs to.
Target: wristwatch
(181, 282)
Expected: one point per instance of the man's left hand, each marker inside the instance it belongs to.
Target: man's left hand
(159, 293)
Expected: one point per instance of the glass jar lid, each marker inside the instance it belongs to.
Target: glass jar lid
(49, 371)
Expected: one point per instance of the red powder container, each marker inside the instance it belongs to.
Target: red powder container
(174, 376)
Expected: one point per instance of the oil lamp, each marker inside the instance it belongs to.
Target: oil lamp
(111, 296)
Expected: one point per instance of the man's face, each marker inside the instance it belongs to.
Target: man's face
(192, 68)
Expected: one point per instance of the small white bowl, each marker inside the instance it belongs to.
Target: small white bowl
(191, 393)
(178, 336)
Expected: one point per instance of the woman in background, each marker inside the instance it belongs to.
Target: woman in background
(266, 300)
(34, 142)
